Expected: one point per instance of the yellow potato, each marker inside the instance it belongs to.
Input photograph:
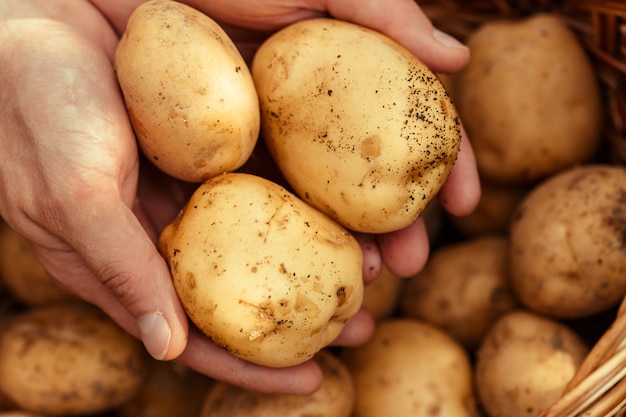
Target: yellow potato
(360, 128)
(524, 364)
(529, 99)
(188, 91)
(567, 249)
(68, 359)
(334, 398)
(411, 368)
(464, 288)
(262, 273)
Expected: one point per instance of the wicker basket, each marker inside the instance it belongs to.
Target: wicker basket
(599, 387)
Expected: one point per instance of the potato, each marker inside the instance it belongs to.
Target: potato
(334, 398)
(360, 128)
(381, 297)
(262, 273)
(189, 93)
(525, 363)
(463, 289)
(529, 99)
(411, 368)
(170, 389)
(493, 213)
(68, 359)
(568, 243)
(22, 274)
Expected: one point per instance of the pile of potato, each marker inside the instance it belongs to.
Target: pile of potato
(506, 309)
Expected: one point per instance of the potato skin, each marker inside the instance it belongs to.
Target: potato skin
(567, 249)
(188, 91)
(334, 398)
(360, 128)
(525, 363)
(68, 359)
(262, 273)
(411, 368)
(529, 99)
(464, 288)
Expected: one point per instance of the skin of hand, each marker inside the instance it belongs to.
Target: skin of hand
(71, 183)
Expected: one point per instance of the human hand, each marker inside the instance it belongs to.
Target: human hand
(69, 171)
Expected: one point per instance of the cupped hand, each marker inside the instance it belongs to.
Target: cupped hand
(71, 183)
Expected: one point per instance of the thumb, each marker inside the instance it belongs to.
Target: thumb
(130, 280)
(405, 22)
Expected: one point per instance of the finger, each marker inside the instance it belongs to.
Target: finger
(461, 192)
(405, 22)
(372, 260)
(406, 251)
(357, 331)
(209, 359)
(126, 262)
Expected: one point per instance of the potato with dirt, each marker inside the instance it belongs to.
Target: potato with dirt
(567, 244)
(188, 91)
(360, 128)
(262, 273)
(524, 364)
(69, 359)
(464, 288)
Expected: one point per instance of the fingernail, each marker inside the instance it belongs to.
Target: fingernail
(155, 333)
(447, 40)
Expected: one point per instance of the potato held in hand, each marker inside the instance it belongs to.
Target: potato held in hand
(262, 273)
(188, 91)
(360, 128)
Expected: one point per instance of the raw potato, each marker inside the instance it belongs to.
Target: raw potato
(411, 368)
(360, 128)
(334, 398)
(529, 99)
(262, 273)
(170, 389)
(22, 274)
(525, 363)
(568, 243)
(188, 91)
(463, 289)
(67, 360)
